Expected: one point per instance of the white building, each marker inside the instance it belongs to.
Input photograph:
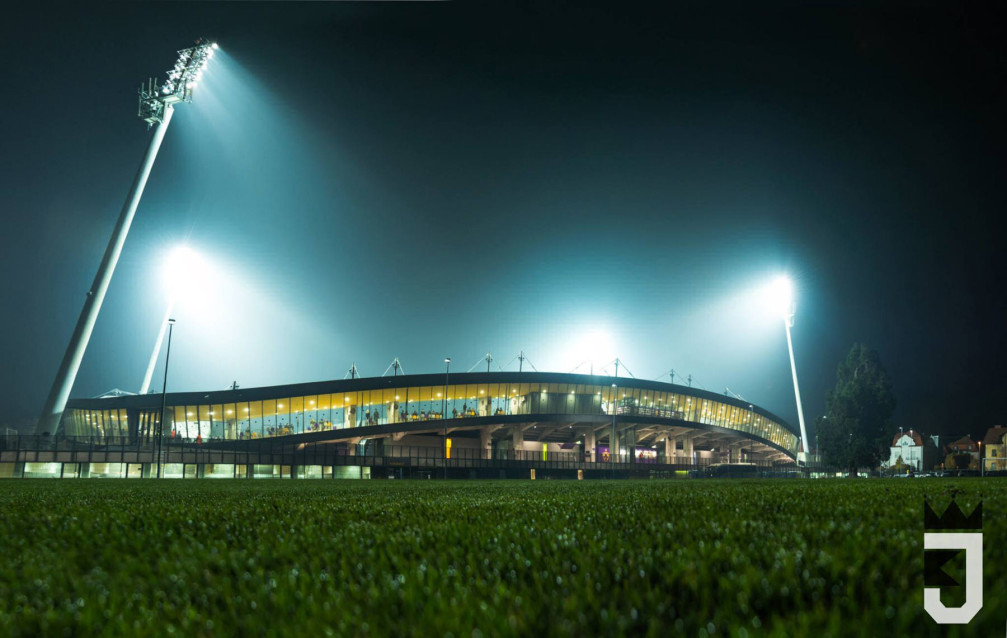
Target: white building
(916, 451)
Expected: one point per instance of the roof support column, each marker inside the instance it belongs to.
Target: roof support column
(485, 443)
(589, 445)
(517, 441)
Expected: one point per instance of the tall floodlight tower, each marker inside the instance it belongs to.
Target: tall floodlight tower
(156, 104)
(781, 299)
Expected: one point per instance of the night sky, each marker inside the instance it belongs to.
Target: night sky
(421, 180)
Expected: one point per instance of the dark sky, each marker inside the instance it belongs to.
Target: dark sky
(421, 180)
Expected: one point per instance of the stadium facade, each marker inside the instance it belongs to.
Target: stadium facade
(494, 424)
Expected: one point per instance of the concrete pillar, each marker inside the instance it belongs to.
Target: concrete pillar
(669, 449)
(200, 470)
(145, 470)
(629, 439)
(689, 449)
(517, 441)
(84, 470)
(485, 443)
(249, 470)
(590, 444)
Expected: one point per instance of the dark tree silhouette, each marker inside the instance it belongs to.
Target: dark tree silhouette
(856, 429)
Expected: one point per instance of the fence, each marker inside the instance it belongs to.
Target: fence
(15, 451)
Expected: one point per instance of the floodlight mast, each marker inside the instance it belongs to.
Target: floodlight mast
(145, 386)
(156, 107)
(788, 321)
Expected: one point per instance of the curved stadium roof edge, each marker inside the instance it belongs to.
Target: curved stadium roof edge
(153, 400)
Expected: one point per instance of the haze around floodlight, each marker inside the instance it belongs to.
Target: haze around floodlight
(184, 269)
(592, 345)
(780, 297)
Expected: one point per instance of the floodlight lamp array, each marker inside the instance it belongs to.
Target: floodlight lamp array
(178, 86)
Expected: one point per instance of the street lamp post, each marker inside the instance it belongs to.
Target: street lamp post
(444, 410)
(164, 390)
(818, 450)
(156, 107)
(611, 444)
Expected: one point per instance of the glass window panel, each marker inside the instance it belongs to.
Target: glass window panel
(269, 417)
(395, 400)
(216, 417)
(242, 423)
(311, 417)
(409, 399)
(324, 412)
(341, 409)
(351, 405)
(283, 422)
(256, 424)
(230, 421)
(470, 401)
(202, 422)
(294, 408)
(368, 413)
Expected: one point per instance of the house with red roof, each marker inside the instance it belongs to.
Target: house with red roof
(917, 452)
(961, 453)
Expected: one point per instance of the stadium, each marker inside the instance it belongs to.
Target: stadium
(471, 425)
(466, 425)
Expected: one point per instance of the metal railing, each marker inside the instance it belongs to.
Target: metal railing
(77, 449)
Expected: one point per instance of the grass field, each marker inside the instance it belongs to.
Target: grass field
(469, 558)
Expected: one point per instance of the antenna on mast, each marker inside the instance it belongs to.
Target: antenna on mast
(395, 367)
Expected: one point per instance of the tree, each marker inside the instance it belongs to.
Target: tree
(951, 462)
(856, 429)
